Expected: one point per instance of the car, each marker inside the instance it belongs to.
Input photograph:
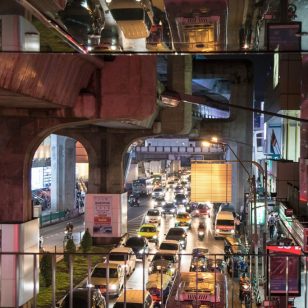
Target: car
(135, 18)
(125, 257)
(183, 220)
(178, 189)
(139, 245)
(171, 184)
(169, 209)
(217, 265)
(180, 199)
(150, 232)
(133, 200)
(167, 255)
(110, 39)
(134, 299)
(178, 234)
(198, 263)
(199, 260)
(153, 216)
(162, 266)
(158, 203)
(170, 245)
(81, 297)
(116, 278)
(202, 210)
(158, 193)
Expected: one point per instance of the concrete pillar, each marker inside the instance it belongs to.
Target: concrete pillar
(178, 120)
(63, 175)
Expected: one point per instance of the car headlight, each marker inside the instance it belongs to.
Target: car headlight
(141, 251)
(139, 235)
(172, 210)
(155, 237)
(232, 231)
(113, 286)
(163, 203)
(192, 266)
(187, 208)
(217, 230)
(201, 233)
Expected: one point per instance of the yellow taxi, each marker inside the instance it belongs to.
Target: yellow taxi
(183, 220)
(150, 232)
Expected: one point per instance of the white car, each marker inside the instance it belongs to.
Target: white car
(125, 257)
(170, 245)
(153, 217)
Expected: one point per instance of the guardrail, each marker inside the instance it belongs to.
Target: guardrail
(215, 273)
(54, 217)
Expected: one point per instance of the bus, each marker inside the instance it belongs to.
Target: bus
(142, 187)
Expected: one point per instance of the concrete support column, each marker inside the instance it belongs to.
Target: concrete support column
(178, 120)
(63, 175)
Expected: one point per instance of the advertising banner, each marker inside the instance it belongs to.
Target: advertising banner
(284, 270)
(102, 209)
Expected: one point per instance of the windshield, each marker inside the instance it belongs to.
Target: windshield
(170, 258)
(101, 272)
(178, 197)
(118, 257)
(147, 229)
(169, 205)
(135, 241)
(183, 215)
(153, 213)
(224, 222)
(178, 232)
(127, 14)
(158, 190)
(168, 246)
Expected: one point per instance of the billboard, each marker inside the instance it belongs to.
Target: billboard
(211, 182)
(284, 270)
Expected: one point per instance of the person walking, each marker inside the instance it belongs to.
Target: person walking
(271, 225)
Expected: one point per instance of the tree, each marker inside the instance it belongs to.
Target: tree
(69, 248)
(86, 242)
(46, 269)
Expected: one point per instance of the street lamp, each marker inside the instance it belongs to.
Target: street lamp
(252, 183)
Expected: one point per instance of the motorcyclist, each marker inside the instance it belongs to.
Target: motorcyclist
(201, 230)
(69, 227)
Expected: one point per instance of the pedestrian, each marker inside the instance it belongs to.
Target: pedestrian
(271, 225)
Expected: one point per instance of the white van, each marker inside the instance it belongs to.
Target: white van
(135, 18)
(224, 224)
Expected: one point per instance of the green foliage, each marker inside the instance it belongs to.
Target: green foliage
(69, 248)
(86, 242)
(46, 269)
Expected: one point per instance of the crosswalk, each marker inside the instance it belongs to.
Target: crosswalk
(134, 224)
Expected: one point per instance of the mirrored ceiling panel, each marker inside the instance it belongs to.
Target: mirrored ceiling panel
(153, 26)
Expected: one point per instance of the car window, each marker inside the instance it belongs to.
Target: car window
(183, 215)
(153, 213)
(135, 241)
(148, 229)
(99, 272)
(175, 232)
(118, 257)
(170, 258)
(128, 14)
(168, 246)
(225, 222)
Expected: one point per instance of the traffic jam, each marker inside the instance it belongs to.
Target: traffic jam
(180, 254)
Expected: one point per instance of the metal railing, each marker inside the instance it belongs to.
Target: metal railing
(214, 280)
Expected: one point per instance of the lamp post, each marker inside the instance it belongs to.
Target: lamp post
(252, 183)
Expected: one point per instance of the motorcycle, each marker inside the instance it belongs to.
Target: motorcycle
(245, 291)
(133, 201)
(201, 231)
(68, 232)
